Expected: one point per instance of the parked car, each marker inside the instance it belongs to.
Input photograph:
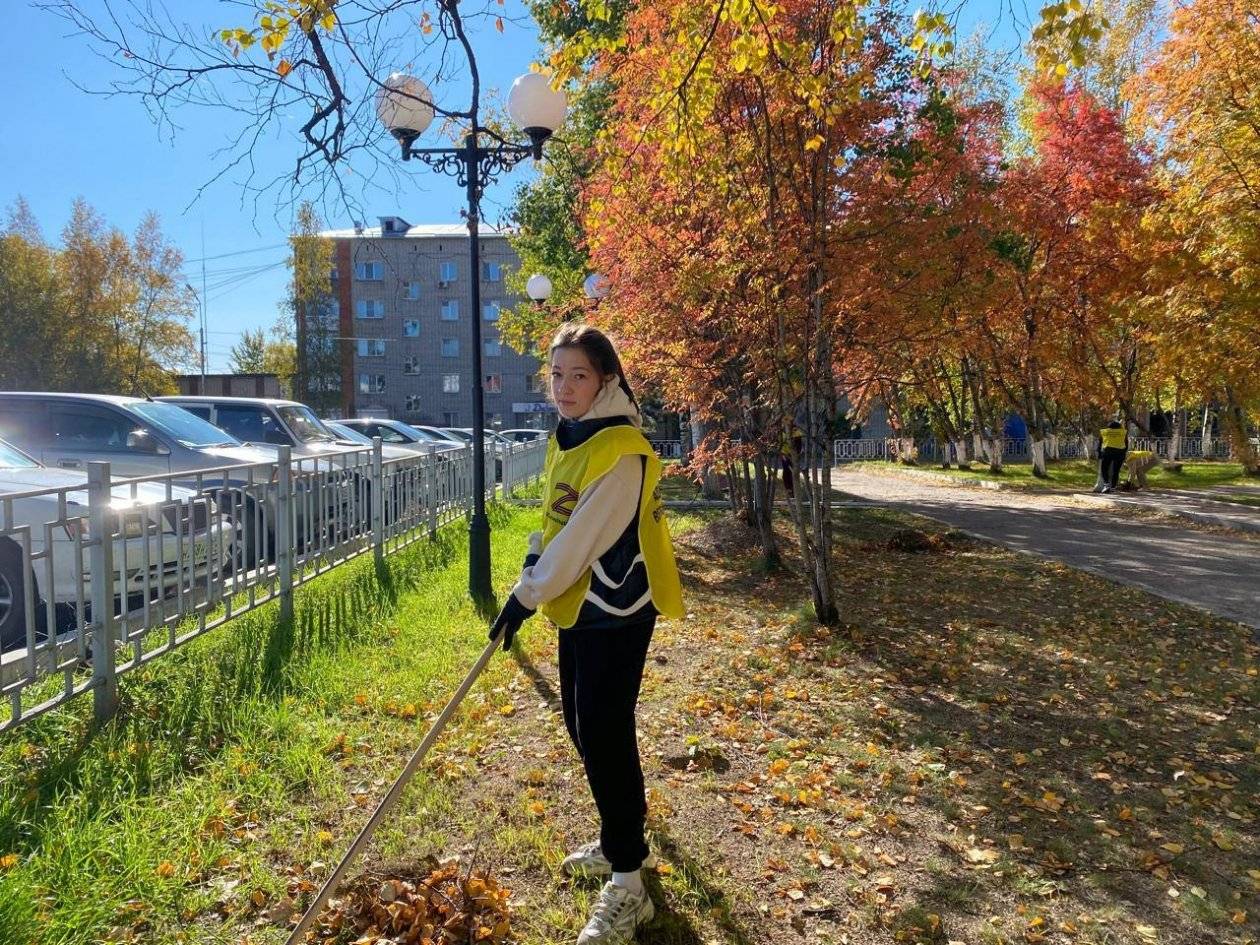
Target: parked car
(524, 436)
(496, 445)
(288, 423)
(399, 434)
(349, 435)
(137, 437)
(440, 435)
(188, 539)
(266, 420)
(140, 437)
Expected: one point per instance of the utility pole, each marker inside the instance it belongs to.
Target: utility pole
(203, 305)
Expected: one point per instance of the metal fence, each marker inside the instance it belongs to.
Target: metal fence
(103, 576)
(1014, 449)
(667, 449)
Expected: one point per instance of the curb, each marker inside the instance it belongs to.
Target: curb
(1204, 518)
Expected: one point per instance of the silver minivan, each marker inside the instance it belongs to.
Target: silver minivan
(138, 437)
(266, 420)
(141, 437)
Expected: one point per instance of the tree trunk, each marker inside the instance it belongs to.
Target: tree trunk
(995, 454)
(763, 485)
(1240, 446)
(1038, 450)
(942, 458)
(960, 453)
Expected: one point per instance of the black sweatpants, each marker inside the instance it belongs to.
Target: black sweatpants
(600, 672)
(1111, 463)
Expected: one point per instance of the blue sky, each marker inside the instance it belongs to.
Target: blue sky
(61, 143)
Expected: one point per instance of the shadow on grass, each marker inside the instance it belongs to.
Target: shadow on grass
(674, 927)
(545, 690)
(179, 712)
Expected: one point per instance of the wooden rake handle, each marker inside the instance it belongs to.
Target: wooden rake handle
(395, 792)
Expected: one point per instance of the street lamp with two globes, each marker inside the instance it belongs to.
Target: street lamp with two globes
(405, 107)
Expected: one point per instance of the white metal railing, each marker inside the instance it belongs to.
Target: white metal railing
(849, 451)
(667, 449)
(103, 576)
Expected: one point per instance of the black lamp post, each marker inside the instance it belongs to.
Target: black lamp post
(405, 107)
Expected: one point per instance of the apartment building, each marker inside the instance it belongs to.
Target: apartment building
(405, 330)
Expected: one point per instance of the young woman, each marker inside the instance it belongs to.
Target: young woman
(602, 569)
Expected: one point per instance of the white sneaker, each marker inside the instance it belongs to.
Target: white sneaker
(589, 860)
(617, 913)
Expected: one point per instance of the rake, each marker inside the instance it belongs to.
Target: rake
(395, 792)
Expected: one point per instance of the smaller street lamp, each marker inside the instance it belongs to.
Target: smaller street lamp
(538, 288)
(596, 286)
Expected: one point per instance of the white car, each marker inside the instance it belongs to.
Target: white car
(351, 436)
(189, 542)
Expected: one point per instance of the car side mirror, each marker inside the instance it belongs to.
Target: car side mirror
(276, 437)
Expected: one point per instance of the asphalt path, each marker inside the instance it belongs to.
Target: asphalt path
(1212, 570)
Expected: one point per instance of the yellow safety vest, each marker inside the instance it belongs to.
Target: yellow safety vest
(1112, 438)
(569, 473)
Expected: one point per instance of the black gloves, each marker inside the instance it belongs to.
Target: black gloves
(510, 618)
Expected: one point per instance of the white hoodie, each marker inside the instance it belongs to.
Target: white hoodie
(602, 513)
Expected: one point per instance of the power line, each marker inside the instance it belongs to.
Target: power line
(239, 252)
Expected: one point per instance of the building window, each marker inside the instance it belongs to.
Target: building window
(446, 273)
(491, 272)
(450, 419)
(371, 347)
(492, 348)
(493, 384)
(450, 310)
(371, 383)
(411, 328)
(490, 311)
(369, 271)
(450, 347)
(413, 403)
(412, 290)
(450, 383)
(369, 308)
(533, 383)
(411, 365)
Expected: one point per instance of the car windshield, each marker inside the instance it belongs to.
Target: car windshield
(305, 425)
(407, 433)
(188, 429)
(440, 435)
(11, 458)
(347, 433)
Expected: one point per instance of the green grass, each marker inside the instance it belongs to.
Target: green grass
(230, 759)
(1082, 474)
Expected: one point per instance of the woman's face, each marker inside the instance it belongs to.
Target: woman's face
(575, 383)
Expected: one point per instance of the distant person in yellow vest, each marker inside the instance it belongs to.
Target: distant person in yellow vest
(1115, 444)
(602, 569)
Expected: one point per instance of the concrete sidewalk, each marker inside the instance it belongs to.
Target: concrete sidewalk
(1217, 573)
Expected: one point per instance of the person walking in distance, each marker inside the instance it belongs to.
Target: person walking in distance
(1115, 445)
(602, 569)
